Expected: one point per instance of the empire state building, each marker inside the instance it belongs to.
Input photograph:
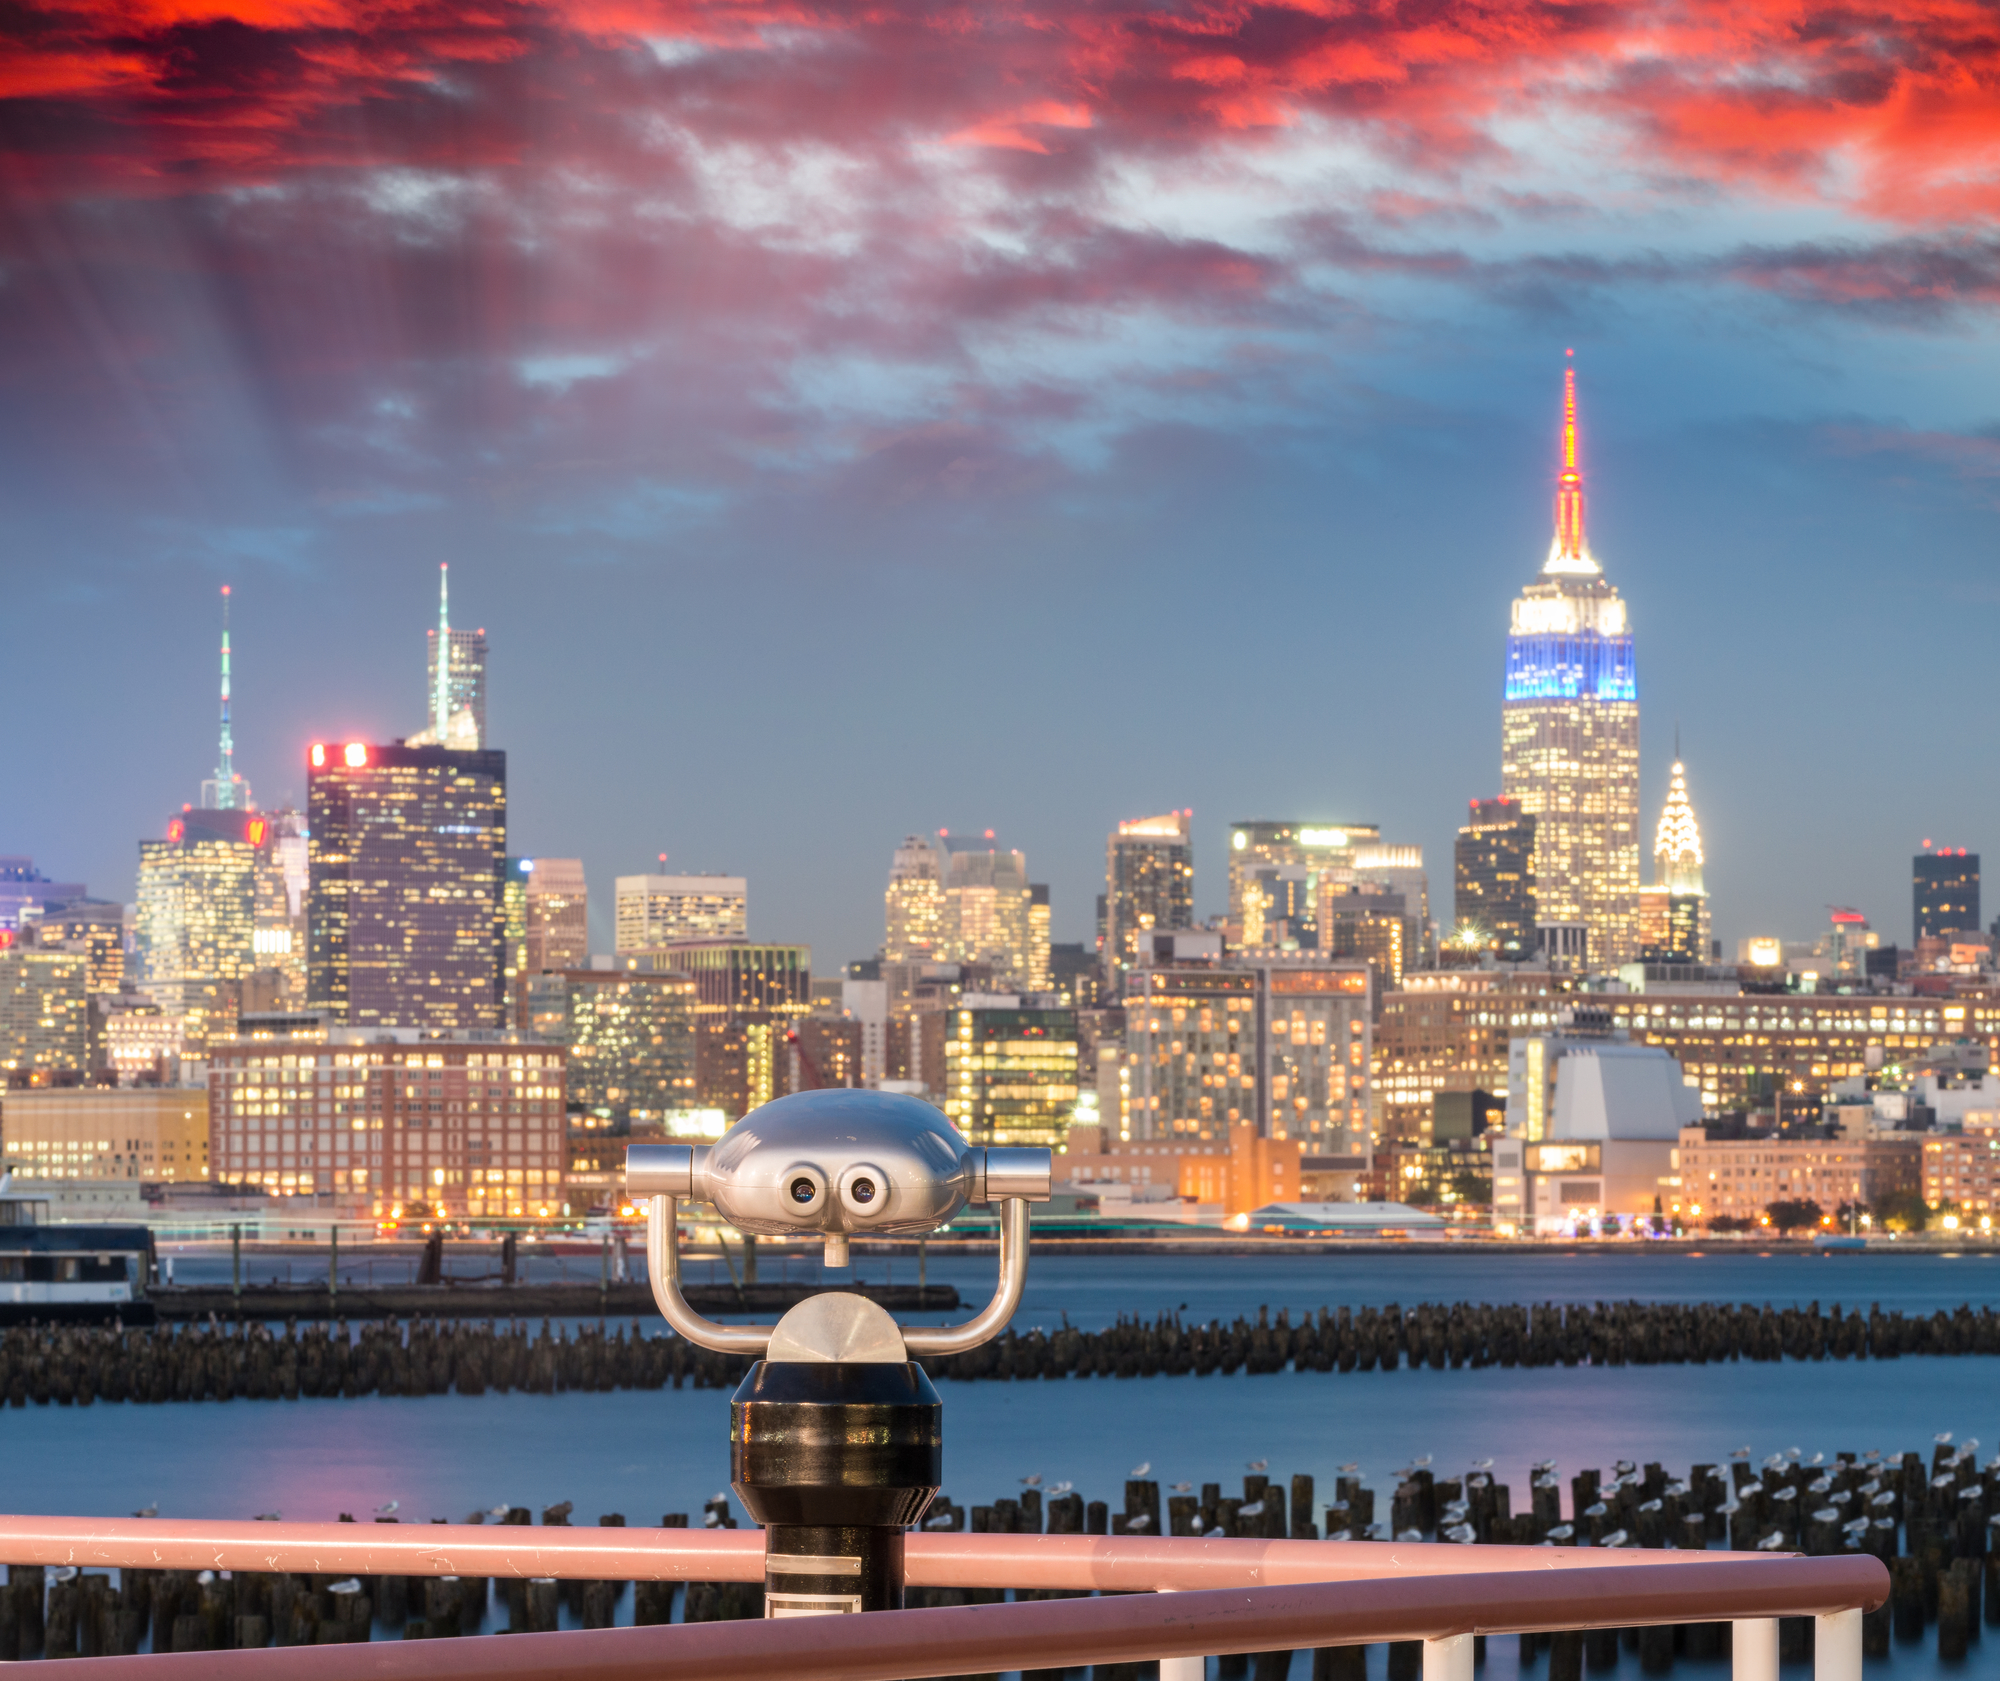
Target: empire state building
(1569, 734)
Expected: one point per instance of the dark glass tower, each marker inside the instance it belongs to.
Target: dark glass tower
(1946, 892)
(1493, 880)
(408, 860)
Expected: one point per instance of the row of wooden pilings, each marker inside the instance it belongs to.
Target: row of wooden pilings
(81, 1365)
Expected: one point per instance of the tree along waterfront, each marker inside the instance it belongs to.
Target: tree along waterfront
(257, 1361)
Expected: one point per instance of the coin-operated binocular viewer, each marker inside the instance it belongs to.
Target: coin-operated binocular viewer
(836, 1437)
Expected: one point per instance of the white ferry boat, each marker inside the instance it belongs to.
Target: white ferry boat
(69, 1272)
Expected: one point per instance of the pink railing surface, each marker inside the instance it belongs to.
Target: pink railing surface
(1171, 1599)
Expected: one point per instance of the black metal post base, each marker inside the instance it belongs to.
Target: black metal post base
(836, 1460)
(810, 1570)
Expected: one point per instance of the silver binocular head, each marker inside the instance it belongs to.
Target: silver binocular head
(842, 1162)
(838, 1164)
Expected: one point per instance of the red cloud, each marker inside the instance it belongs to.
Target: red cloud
(1897, 107)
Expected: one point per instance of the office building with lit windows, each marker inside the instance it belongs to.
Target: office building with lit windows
(630, 1038)
(987, 900)
(157, 1135)
(1570, 731)
(196, 914)
(408, 856)
(749, 998)
(1745, 1052)
(1148, 884)
(1037, 978)
(1493, 881)
(557, 932)
(95, 927)
(1010, 1075)
(44, 1013)
(1275, 868)
(1945, 893)
(1282, 1042)
(278, 938)
(655, 911)
(1364, 921)
(913, 905)
(392, 1123)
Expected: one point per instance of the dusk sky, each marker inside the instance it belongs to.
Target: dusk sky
(850, 421)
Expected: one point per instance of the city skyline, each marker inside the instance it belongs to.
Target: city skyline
(1074, 911)
(1074, 915)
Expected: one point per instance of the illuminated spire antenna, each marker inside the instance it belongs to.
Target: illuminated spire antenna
(225, 768)
(442, 706)
(1570, 552)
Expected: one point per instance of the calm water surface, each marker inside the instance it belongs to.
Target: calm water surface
(644, 1454)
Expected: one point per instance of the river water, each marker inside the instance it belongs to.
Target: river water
(646, 1453)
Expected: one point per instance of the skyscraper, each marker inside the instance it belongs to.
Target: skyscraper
(1945, 891)
(408, 856)
(1037, 977)
(1275, 867)
(914, 903)
(1148, 884)
(197, 905)
(654, 911)
(454, 693)
(1682, 931)
(1570, 730)
(986, 900)
(1493, 885)
(558, 904)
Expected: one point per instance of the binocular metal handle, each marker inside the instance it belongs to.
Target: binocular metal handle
(663, 1269)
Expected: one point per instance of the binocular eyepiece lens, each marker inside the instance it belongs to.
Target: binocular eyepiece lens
(803, 1190)
(862, 1190)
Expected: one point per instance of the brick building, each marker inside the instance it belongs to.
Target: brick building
(393, 1124)
(1738, 1178)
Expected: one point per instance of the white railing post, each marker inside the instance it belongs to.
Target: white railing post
(1837, 1646)
(1449, 1658)
(1753, 1645)
(1183, 1669)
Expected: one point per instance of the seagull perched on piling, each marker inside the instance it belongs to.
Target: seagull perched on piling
(1061, 1488)
(1180, 1488)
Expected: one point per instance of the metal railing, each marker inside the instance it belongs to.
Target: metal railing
(1169, 1599)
